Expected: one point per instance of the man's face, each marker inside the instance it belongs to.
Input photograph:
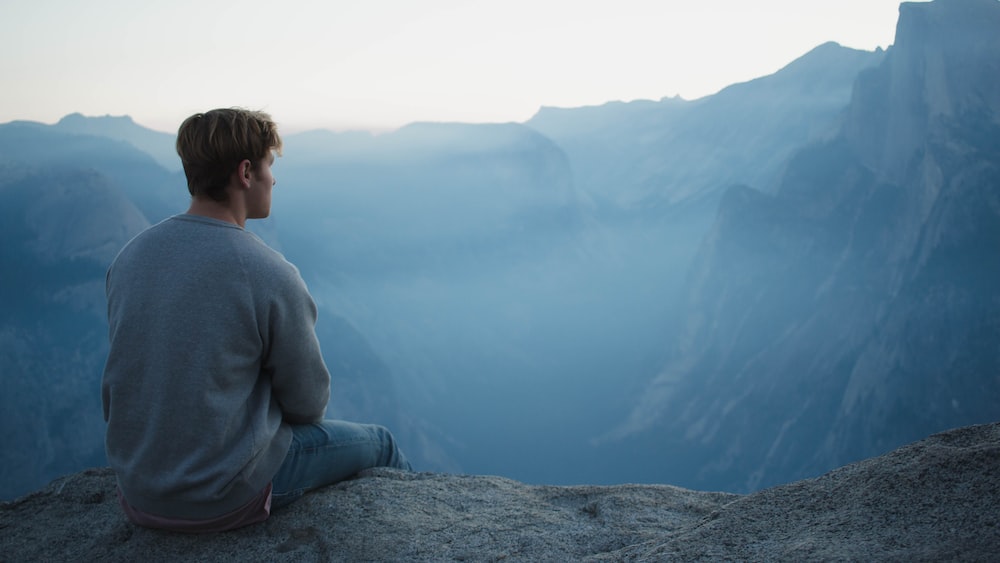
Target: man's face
(261, 182)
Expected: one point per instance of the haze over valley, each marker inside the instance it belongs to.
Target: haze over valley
(725, 293)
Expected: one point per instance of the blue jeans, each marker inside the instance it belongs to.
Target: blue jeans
(326, 452)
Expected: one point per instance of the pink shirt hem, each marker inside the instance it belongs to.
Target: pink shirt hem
(257, 510)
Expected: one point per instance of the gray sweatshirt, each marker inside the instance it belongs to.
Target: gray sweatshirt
(213, 353)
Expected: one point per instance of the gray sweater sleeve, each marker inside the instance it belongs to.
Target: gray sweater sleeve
(299, 378)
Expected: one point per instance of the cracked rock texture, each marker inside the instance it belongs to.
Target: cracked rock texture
(932, 500)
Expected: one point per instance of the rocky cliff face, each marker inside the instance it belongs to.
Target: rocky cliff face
(943, 72)
(859, 306)
(934, 500)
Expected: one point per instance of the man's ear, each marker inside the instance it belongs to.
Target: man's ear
(244, 170)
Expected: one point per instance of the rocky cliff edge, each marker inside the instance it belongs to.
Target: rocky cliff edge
(935, 499)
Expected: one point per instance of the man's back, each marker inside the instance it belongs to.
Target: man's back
(215, 389)
(213, 350)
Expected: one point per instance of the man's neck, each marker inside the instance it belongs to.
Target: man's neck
(222, 211)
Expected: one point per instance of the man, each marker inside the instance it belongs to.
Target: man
(215, 389)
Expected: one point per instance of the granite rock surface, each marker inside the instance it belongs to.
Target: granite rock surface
(932, 500)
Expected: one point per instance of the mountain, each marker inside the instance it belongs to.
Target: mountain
(536, 267)
(29, 145)
(60, 230)
(655, 171)
(856, 306)
(462, 274)
(156, 144)
(450, 192)
(647, 154)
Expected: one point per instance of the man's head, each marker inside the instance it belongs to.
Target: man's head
(213, 144)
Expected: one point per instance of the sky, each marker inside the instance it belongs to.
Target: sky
(379, 64)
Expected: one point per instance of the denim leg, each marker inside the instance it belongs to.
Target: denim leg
(326, 452)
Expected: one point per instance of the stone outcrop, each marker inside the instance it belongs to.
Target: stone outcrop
(932, 500)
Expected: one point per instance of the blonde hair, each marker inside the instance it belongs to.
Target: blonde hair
(212, 145)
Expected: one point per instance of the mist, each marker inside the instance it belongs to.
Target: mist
(721, 294)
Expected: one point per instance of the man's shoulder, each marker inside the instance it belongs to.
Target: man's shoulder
(270, 264)
(202, 242)
(197, 238)
(170, 227)
(265, 261)
(208, 234)
(140, 244)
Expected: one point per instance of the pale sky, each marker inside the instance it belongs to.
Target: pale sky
(379, 64)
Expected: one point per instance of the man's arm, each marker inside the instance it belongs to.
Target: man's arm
(300, 380)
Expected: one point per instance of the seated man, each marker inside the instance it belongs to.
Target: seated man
(215, 390)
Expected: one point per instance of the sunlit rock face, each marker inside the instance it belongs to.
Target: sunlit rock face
(859, 306)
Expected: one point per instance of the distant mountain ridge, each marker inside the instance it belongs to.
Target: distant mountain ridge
(859, 306)
(675, 150)
(155, 143)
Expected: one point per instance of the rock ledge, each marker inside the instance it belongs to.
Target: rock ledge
(935, 499)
